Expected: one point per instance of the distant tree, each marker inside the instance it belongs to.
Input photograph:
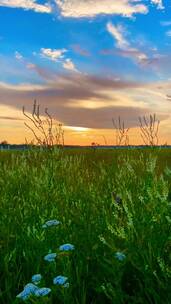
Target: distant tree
(94, 145)
(4, 143)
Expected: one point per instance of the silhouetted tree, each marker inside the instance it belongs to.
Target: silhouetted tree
(4, 143)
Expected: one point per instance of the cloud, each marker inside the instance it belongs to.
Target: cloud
(84, 9)
(86, 101)
(69, 65)
(56, 55)
(27, 5)
(79, 50)
(10, 118)
(168, 33)
(43, 73)
(159, 3)
(118, 34)
(89, 8)
(76, 87)
(165, 23)
(161, 64)
(22, 87)
(82, 101)
(124, 47)
(53, 55)
(18, 56)
(70, 86)
(129, 53)
(97, 117)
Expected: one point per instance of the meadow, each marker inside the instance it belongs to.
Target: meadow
(113, 207)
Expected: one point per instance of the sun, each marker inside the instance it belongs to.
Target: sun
(77, 129)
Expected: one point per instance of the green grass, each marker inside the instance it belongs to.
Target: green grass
(76, 188)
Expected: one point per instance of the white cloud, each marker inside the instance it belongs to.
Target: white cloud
(21, 87)
(168, 33)
(82, 8)
(165, 23)
(53, 54)
(18, 56)
(126, 50)
(69, 65)
(27, 5)
(92, 8)
(159, 3)
(118, 33)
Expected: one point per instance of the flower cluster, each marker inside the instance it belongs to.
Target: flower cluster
(36, 278)
(61, 280)
(28, 290)
(66, 247)
(51, 223)
(31, 289)
(120, 256)
(50, 257)
(41, 292)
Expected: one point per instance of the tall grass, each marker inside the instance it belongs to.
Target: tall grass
(107, 202)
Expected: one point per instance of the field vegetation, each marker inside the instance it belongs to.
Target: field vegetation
(113, 207)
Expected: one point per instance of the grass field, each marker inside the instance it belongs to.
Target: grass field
(115, 208)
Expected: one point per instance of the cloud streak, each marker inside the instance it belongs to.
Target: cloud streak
(10, 118)
(79, 50)
(27, 5)
(66, 96)
(165, 23)
(124, 47)
(118, 34)
(168, 33)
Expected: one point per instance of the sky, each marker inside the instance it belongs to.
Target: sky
(88, 62)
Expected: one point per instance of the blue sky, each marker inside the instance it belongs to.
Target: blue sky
(87, 61)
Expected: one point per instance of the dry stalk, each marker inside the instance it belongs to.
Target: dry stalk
(149, 128)
(122, 137)
(45, 132)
